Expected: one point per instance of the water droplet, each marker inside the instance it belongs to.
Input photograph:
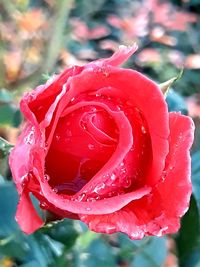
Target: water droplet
(43, 205)
(98, 188)
(91, 147)
(46, 177)
(113, 177)
(57, 137)
(83, 125)
(171, 167)
(24, 177)
(91, 199)
(110, 228)
(163, 175)
(55, 190)
(81, 197)
(127, 182)
(24, 180)
(88, 209)
(29, 138)
(72, 99)
(180, 136)
(143, 129)
(97, 94)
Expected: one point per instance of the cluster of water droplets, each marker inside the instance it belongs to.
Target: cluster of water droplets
(29, 139)
(114, 183)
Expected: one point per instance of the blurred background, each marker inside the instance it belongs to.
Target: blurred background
(42, 37)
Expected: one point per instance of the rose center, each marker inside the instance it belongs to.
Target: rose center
(83, 142)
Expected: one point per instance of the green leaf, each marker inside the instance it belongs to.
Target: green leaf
(38, 249)
(147, 257)
(142, 252)
(5, 147)
(98, 253)
(188, 235)
(195, 177)
(11, 242)
(45, 77)
(165, 86)
(85, 239)
(188, 239)
(63, 231)
(7, 113)
(8, 202)
(5, 96)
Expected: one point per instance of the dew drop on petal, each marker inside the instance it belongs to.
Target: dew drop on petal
(46, 177)
(127, 182)
(91, 147)
(82, 124)
(29, 138)
(55, 190)
(91, 199)
(43, 205)
(113, 177)
(57, 137)
(97, 94)
(163, 175)
(98, 188)
(110, 228)
(24, 180)
(81, 197)
(143, 129)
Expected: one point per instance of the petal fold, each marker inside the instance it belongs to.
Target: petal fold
(157, 213)
(26, 215)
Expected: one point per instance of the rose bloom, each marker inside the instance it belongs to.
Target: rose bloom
(100, 146)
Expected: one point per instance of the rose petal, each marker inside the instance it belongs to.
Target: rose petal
(178, 167)
(27, 216)
(118, 58)
(104, 206)
(40, 99)
(124, 144)
(19, 158)
(142, 93)
(159, 212)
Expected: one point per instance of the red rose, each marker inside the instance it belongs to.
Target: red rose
(99, 145)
